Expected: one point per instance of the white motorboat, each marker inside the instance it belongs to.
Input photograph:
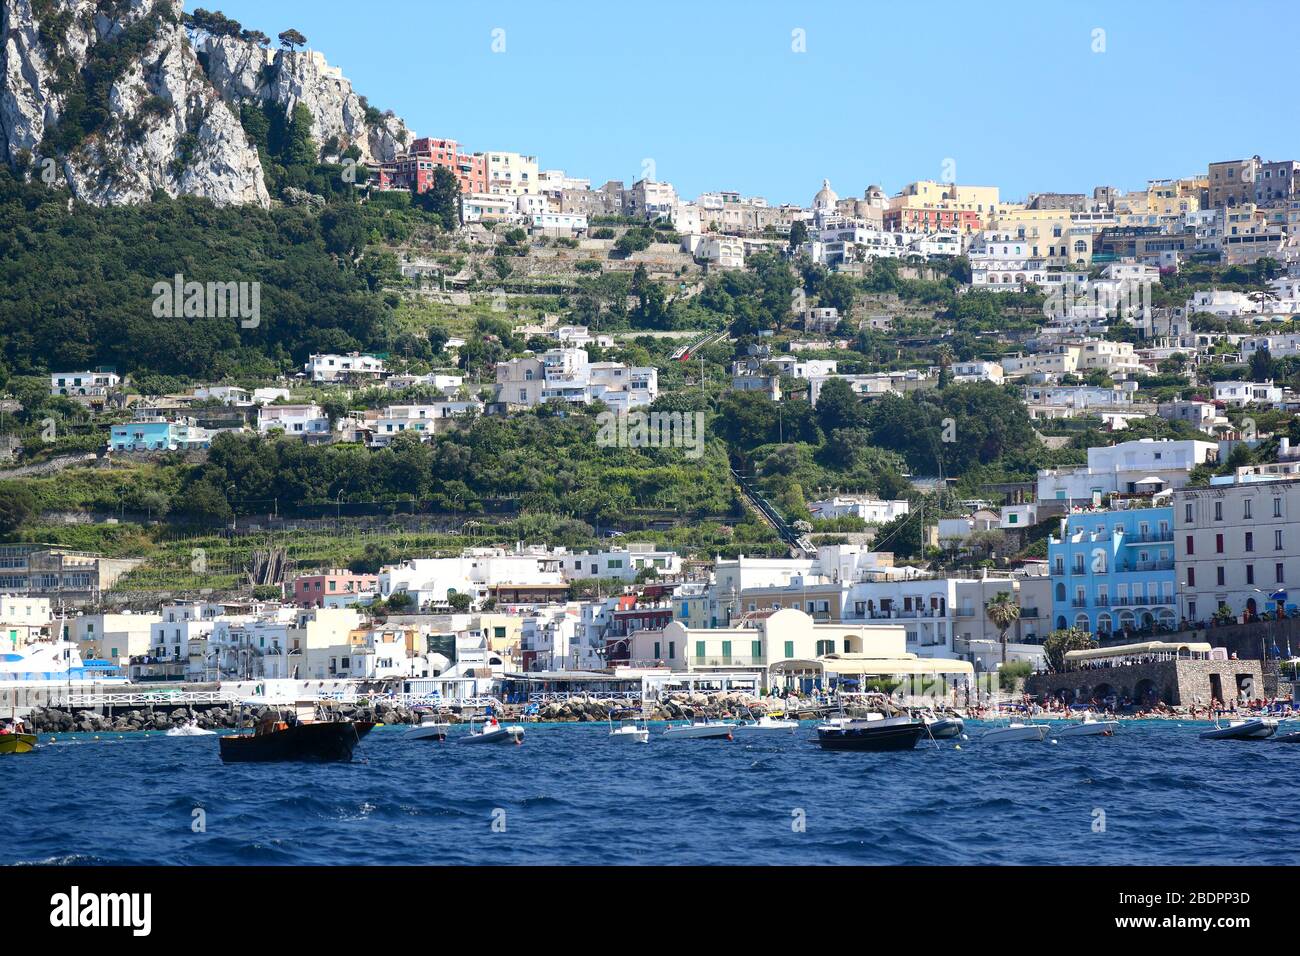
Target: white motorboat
(189, 729)
(701, 730)
(941, 728)
(491, 732)
(1241, 728)
(1015, 730)
(430, 727)
(766, 726)
(1089, 726)
(57, 664)
(628, 730)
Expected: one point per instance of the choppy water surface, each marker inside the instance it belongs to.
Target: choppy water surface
(569, 795)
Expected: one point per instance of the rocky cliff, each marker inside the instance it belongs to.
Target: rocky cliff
(109, 99)
(117, 99)
(242, 70)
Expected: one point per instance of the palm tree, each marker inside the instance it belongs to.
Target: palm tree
(1002, 611)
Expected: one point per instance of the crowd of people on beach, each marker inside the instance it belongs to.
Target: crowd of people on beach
(980, 706)
(1119, 707)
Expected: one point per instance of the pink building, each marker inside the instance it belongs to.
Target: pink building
(332, 587)
(414, 170)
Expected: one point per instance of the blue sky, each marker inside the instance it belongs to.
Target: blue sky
(713, 93)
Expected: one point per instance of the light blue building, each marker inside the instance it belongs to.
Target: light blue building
(159, 434)
(1114, 570)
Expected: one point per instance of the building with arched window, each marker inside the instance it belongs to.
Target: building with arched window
(762, 640)
(1113, 571)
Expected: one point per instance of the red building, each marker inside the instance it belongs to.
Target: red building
(618, 648)
(910, 219)
(415, 169)
(315, 590)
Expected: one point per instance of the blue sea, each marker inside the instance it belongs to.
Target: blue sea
(1153, 794)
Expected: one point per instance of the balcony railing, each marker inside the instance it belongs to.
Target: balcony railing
(1140, 600)
(1151, 537)
(726, 660)
(924, 614)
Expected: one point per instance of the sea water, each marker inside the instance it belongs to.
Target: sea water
(1152, 794)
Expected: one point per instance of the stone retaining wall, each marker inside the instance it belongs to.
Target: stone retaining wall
(1179, 683)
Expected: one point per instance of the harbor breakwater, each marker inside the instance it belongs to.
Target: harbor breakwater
(161, 718)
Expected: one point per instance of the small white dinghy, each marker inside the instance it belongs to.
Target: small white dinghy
(189, 729)
(430, 727)
(626, 730)
(1015, 730)
(491, 732)
(1090, 726)
(701, 730)
(1241, 728)
(766, 726)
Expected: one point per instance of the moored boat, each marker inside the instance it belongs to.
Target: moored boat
(701, 730)
(941, 728)
(42, 665)
(767, 725)
(301, 738)
(1241, 728)
(1015, 730)
(624, 728)
(874, 732)
(430, 727)
(491, 731)
(1089, 726)
(14, 739)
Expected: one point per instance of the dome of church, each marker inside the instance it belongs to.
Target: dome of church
(826, 197)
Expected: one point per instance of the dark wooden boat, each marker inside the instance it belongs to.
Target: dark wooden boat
(318, 741)
(877, 733)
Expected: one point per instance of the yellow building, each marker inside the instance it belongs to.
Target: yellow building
(1162, 199)
(1049, 234)
(503, 634)
(789, 642)
(320, 642)
(113, 637)
(981, 199)
(949, 205)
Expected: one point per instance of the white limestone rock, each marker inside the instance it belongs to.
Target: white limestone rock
(243, 71)
(168, 129)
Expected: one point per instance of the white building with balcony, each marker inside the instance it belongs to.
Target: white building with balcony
(1241, 394)
(870, 510)
(477, 571)
(180, 637)
(977, 372)
(296, 421)
(343, 368)
(421, 420)
(1144, 466)
(569, 375)
(620, 564)
(83, 384)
